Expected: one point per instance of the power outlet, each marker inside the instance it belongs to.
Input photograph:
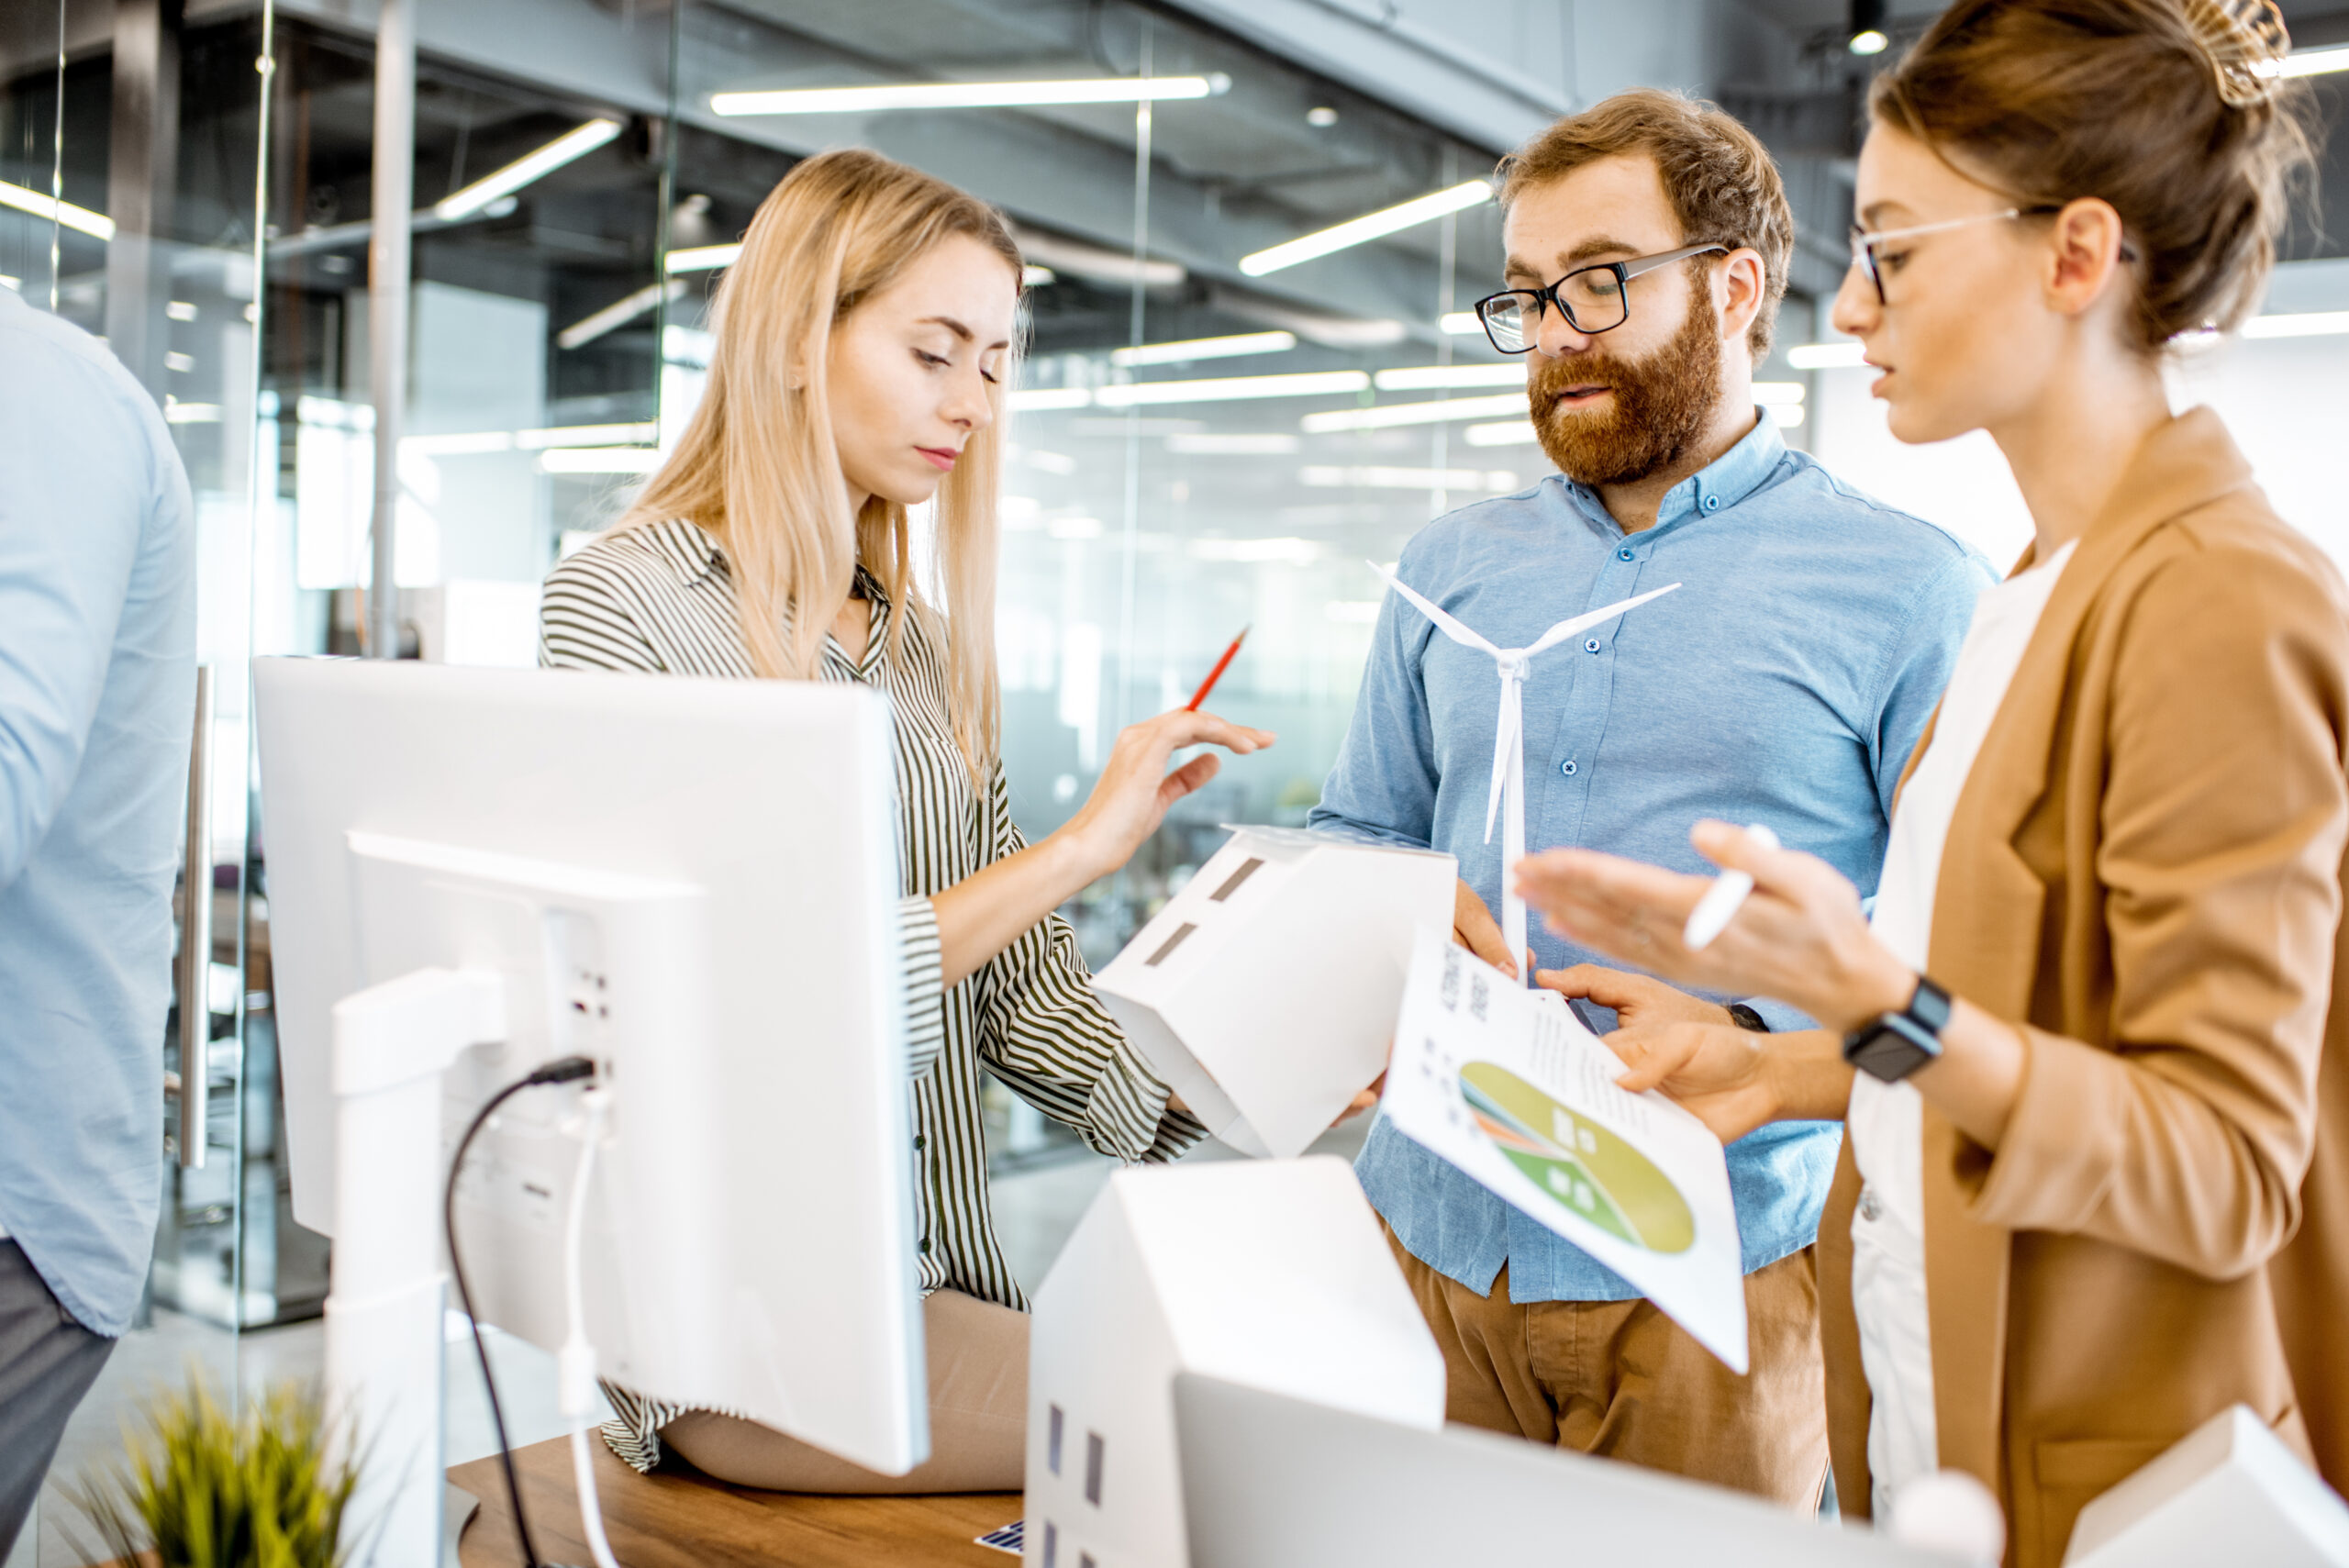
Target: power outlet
(579, 1013)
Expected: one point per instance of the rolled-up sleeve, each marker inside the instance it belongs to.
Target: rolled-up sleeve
(1044, 1034)
(2223, 820)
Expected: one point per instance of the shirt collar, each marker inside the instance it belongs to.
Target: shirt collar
(692, 552)
(1728, 479)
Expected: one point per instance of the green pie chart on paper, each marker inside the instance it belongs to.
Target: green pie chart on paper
(1588, 1169)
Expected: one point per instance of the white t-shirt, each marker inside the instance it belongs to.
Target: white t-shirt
(1884, 1122)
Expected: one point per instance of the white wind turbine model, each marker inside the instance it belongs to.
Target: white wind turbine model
(1508, 733)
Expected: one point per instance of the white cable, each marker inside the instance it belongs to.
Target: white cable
(575, 1364)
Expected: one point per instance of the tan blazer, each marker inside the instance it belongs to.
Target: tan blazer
(2145, 867)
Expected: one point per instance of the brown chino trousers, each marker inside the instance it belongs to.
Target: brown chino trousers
(1620, 1380)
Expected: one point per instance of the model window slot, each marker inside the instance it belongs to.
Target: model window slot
(1093, 1468)
(1053, 1442)
(1052, 1542)
(1084, 1560)
(1181, 932)
(1231, 884)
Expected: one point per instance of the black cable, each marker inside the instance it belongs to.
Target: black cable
(568, 1069)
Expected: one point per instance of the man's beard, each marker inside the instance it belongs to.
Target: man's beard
(1660, 404)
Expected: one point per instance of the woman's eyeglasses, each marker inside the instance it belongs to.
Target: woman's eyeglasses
(1863, 243)
(1592, 299)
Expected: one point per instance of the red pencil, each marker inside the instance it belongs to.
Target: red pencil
(1217, 673)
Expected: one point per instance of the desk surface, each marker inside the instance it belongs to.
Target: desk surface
(686, 1520)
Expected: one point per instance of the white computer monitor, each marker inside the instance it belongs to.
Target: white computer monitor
(694, 883)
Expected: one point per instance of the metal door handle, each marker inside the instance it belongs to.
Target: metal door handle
(194, 1080)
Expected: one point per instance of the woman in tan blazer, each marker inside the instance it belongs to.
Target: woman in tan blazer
(2078, 1044)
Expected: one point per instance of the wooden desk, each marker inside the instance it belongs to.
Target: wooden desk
(686, 1520)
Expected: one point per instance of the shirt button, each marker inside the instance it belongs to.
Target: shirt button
(919, 1141)
(925, 1246)
(1870, 1209)
(1712, 503)
(1567, 767)
(1591, 647)
(1624, 554)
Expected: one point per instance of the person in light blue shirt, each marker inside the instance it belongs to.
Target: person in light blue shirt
(98, 693)
(1785, 683)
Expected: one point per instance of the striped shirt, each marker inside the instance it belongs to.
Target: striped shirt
(659, 598)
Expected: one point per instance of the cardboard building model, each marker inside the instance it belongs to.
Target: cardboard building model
(2227, 1491)
(1264, 992)
(1272, 1273)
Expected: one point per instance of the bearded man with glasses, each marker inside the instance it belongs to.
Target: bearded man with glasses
(1785, 684)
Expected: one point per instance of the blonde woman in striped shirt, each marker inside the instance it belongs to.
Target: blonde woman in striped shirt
(864, 338)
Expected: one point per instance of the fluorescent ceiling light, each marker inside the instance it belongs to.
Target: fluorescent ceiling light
(1314, 384)
(1184, 351)
(1506, 433)
(618, 314)
(181, 311)
(1787, 414)
(702, 257)
(571, 146)
(600, 460)
(1406, 478)
(1395, 413)
(1236, 443)
(1826, 356)
(2310, 63)
(465, 443)
(1035, 277)
(1035, 397)
(967, 95)
(1462, 323)
(1771, 393)
(97, 225)
(1369, 225)
(1419, 378)
(2305, 324)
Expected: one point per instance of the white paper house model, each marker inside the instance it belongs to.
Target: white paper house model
(2227, 1491)
(1273, 1273)
(1264, 992)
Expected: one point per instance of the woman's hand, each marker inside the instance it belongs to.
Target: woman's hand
(1130, 797)
(1800, 937)
(1735, 1080)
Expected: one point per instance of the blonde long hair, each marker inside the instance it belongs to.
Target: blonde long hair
(757, 468)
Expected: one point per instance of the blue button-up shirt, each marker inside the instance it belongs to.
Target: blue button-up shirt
(1785, 683)
(97, 690)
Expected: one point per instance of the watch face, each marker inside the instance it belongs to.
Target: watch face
(1887, 1054)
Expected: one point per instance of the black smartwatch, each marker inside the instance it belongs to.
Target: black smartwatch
(1746, 1019)
(1897, 1044)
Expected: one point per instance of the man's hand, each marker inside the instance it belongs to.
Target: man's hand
(1474, 927)
(1720, 1073)
(1637, 999)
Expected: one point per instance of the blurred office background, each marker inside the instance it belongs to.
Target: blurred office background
(1204, 437)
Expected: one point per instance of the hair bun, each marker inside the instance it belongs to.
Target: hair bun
(2244, 42)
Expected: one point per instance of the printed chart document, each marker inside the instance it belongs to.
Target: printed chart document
(1522, 1098)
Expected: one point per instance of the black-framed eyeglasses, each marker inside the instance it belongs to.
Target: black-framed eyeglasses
(1592, 299)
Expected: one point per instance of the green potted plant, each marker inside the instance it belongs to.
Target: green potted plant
(202, 1488)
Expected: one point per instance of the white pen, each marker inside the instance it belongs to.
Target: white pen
(1722, 901)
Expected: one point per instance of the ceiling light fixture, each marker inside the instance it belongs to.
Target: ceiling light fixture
(568, 148)
(2303, 324)
(1313, 384)
(968, 94)
(1394, 414)
(1369, 225)
(1319, 478)
(702, 257)
(2310, 63)
(618, 314)
(1413, 378)
(1866, 35)
(599, 459)
(1502, 433)
(97, 225)
(1189, 349)
(1461, 324)
(1846, 355)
